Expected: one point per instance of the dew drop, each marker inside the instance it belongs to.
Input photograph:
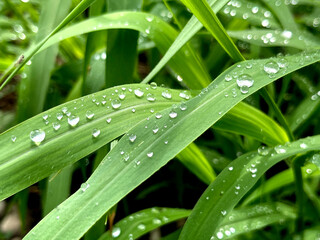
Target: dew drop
(64, 110)
(303, 145)
(116, 231)
(230, 168)
(59, 116)
(126, 157)
(37, 136)
(280, 149)
(223, 212)
(166, 94)
(156, 221)
(153, 85)
(141, 227)
(244, 82)
(132, 137)
(95, 133)
(173, 114)
(89, 115)
(56, 126)
(151, 97)
(116, 104)
(271, 67)
(219, 235)
(155, 129)
(73, 121)
(263, 151)
(108, 120)
(158, 115)
(13, 138)
(138, 92)
(45, 117)
(122, 96)
(84, 186)
(228, 78)
(183, 106)
(150, 154)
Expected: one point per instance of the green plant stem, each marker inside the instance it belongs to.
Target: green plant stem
(266, 96)
(296, 165)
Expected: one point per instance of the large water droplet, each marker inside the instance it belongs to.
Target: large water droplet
(116, 104)
(153, 85)
(166, 94)
(271, 67)
(73, 121)
(95, 133)
(263, 151)
(244, 82)
(138, 92)
(151, 97)
(89, 115)
(173, 114)
(116, 231)
(37, 136)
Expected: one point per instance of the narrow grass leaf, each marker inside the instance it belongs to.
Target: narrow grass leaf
(231, 185)
(142, 222)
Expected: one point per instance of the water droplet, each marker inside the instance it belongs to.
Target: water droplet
(95, 133)
(263, 151)
(173, 114)
(108, 120)
(133, 110)
(158, 115)
(271, 67)
(280, 149)
(59, 116)
(308, 171)
(166, 94)
(165, 142)
(151, 97)
(230, 168)
(141, 227)
(73, 121)
(37, 136)
(244, 82)
(150, 154)
(183, 106)
(228, 78)
(56, 126)
(122, 96)
(64, 110)
(219, 235)
(138, 92)
(116, 104)
(116, 231)
(45, 117)
(89, 115)
(156, 221)
(184, 95)
(223, 212)
(132, 137)
(153, 85)
(13, 138)
(155, 129)
(126, 157)
(84, 186)
(303, 145)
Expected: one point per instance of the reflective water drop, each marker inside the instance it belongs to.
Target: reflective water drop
(219, 235)
(138, 162)
(244, 82)
(155, 129)
(280, 149)
(166, 94)
(223, 212)
(116, 231)
(184, 95)
(45, 117)
(141, 227)
(173, 114)
(13, 138)
(150, 154)
(89, 115)
(165, 142)
(263, 151)
(37, 136)
(183, 106)
(122, 96)
(230, 168)
(158, 115)
(133, 110)
(271, 67)
(156, 221)
(73, 121)
(151, 97)
(116, 104)
(138, 92)
(228, 78)
(64, 110)
(153, 85)
(303, 145)
(126, 157)
(59, 116)
(95, 133)
(132, 137)
(108, 120)
(84, 186)
(56, 126)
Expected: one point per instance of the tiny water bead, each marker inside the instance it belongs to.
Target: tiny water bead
(173, 114)
(271, 67)
(59, 116)
(244, 82)
(89, 115)
(37, 136)
(95, 133)
(183, 106)
(151, 97)
(150, 154)
(13, 138)
(138, 92)
(108, 120)
(84, 186)
(73, 120)
(263, 151)
(280, 149)
(64, 110)
(116, 231)
(158, 115)
(116, 104)
(153, 85)
(141, 227)
(228, 78)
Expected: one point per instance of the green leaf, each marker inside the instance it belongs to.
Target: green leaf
(129, 164)
(249, 121)
(280, 180)
(233, 183)
(142, 222)
(207, 17)
(56, 151)
(276, 38)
